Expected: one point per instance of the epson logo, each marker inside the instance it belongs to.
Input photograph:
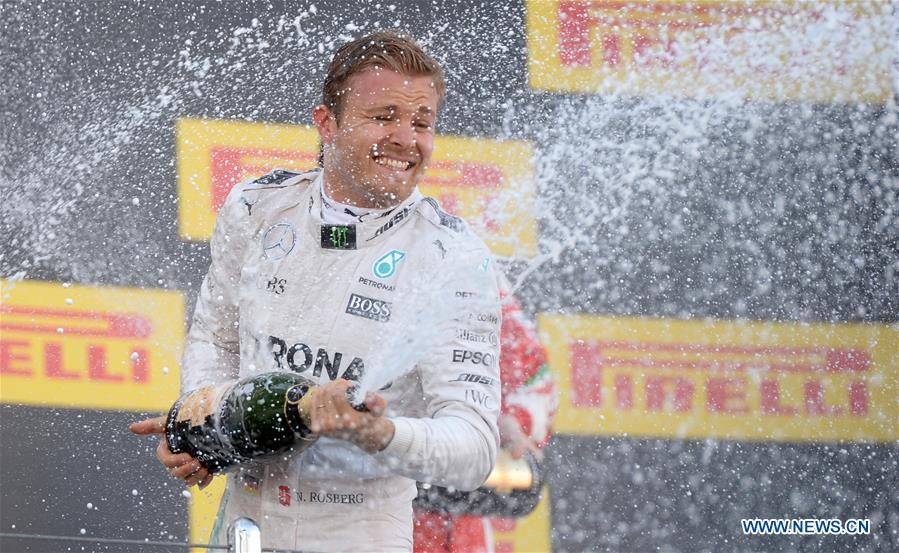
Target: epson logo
(376, 310)
(474, 378)
(477, 338)
(476, 357)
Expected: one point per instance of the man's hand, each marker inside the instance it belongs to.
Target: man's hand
(334, 416)
(180, 465)
(514, 440)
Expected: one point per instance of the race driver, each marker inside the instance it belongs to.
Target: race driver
(344, 275)
(528, 409)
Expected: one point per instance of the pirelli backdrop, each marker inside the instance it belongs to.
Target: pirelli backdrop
(697, 201)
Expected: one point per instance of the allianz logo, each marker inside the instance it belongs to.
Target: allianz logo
(476, 337)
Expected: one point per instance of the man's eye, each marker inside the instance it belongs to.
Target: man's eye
(422, 125)
(383, 118)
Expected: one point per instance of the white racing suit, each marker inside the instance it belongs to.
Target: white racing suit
(406, 303)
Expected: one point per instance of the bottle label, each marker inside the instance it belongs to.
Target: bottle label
(201, 404)
(297, 409)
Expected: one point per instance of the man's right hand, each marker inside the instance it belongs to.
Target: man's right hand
(180, 465)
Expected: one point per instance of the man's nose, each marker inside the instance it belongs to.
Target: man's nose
(403, 135)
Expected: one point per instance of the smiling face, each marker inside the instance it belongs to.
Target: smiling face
(378, 150)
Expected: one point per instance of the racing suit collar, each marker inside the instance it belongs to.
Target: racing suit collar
(372, 227)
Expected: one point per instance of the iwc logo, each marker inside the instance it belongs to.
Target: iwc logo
(385, 266)
(278, 241)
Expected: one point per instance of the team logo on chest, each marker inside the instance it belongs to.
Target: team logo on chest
(385, 266)
(278, 241)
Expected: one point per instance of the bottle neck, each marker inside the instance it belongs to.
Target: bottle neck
(298, 410)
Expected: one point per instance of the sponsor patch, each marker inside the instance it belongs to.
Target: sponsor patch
(275, 285)
(393, 220)
(275, 177)
(475, 357)
(370, 308)
(446, 220)
(477, 337)
(475, 379)
(477, 397)
(484, 317)
(376, 284)
(331, 497)
(440, 247)
(248, 204)
(385, 266)
(284, 495)
(299, 358)
(338, 237)
(278, 241)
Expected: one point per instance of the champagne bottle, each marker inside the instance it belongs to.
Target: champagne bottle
(253, 419)
(512, 490)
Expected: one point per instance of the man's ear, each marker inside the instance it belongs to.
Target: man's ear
(325, 122)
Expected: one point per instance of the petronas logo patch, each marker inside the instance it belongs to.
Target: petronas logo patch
(385, 266)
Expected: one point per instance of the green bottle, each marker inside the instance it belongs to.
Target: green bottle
(254, 419)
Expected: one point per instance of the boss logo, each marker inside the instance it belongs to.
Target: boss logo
(476, 357)
(361, 306)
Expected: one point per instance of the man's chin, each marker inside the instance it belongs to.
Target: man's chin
(391, 191)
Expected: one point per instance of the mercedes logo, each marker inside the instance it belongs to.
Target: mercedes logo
(278, 241)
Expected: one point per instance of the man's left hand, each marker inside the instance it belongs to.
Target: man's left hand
(334, 416)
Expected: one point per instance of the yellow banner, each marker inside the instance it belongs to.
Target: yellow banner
(204, 506)
(524, 535)
(734, 380)
(824, 51)
(489, 183)
(89, 347)
(214, 155)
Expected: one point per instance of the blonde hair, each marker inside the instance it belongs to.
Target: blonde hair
(385, 49)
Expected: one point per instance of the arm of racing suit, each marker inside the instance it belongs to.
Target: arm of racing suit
(455, 444)
(212, 348)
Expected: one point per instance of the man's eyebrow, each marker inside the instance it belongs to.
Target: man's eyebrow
(426, 110)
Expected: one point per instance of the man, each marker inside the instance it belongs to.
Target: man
(345, 275)
(528, 409)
